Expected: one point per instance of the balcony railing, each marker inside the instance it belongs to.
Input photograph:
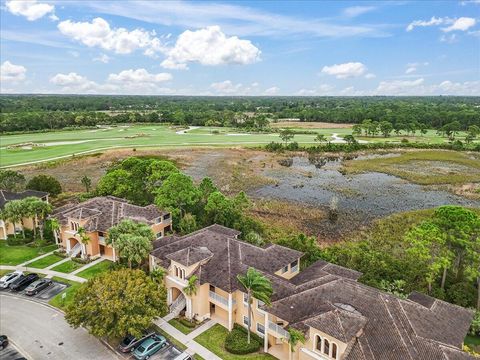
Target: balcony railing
(278, 330)
(220, 299)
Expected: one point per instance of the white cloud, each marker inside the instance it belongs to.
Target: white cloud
(11, 72)
(355, 11)
(138, 76)
(423, 23)
(466, 88)
(410, 70)
(399, 87)
(210, 46)
(413, 67)
(370, 76)
(461, 24)
(98, 33)
(346, 70)
(272, 90)
(448, 38)
(31, 9)
(226, 87)
(104, 58)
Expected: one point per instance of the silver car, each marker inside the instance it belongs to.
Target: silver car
(7, 279)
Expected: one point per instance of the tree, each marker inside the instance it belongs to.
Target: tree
(188, 224)
(132, 239)
(45, 183)
(286, 135)
(428, 246)
(357, 130)
(87, 182)
(178, 194)
(350, 139)
(40, 210)
(11, 180)
(133, 248)
(294, 337)
(192, 286)
(84, 239)
(320, 138)
(256, 286)
(13, 212)
(117, 303)
(386, 128)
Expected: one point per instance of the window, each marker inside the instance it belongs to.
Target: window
(334, 350)
(182, 274)
(175, 270)
(294, 266)
(260, 303)
(167, 228)
(318, 343)
(326, 346)
(158, 220)
(166, 217)
(245, 321)
(284, 269)
(101, 234)
(74, 225)
(260, 329)
(212, 288)
(245, 298)
(159, 235)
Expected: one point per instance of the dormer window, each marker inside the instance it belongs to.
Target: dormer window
(326, 347)
(166, 217)
(74, 225)
(284, 269)
(294, 266)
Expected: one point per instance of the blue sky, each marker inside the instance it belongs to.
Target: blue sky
(241, 48)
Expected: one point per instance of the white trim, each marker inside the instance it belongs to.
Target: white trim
(314, 355)
(177, 281)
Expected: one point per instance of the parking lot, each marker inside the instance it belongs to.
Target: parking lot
(170, 352)
(44, 295)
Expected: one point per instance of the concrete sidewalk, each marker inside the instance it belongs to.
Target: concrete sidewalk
(192, 346)
(49, 273)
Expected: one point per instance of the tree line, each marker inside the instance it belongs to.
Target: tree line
(37, 113)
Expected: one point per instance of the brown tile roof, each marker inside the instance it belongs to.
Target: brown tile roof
(103, 212)
(6, 196)
(190, 256)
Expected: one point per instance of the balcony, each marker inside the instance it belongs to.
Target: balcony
(219, 299)
(278, 330)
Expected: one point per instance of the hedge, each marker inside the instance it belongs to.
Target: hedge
(236, 341)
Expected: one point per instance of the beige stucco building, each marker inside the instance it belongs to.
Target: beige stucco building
(340, 317)
(96, 216)
(8, 228)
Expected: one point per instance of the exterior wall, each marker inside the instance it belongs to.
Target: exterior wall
(309, 348)
(201, 303)
(291, 272)
(9, 228)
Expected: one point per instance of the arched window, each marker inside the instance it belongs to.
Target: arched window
(326, 346)
(318, 343)
(183, 273)
(175, 270)
(334, 350)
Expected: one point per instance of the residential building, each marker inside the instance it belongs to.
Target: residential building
(96, 216)
(340, 317)
(7, 228)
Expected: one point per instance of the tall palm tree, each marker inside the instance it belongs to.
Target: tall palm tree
(13, 212)
(257, 286)
(84, 239)
(294, 338)
(192, 286)
(55, 226)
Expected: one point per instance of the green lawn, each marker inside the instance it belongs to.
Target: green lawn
(214, 338)
(472, 341)
(67, 267)
(95, 270)
(57, 301)
(46, 261)
(180, 327)
(14, 255)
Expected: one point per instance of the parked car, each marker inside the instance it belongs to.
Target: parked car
(6, 280)
(149, 347)
(37, 286)
(130, 342)
(23, 281)
(3, 342)
(183, 356)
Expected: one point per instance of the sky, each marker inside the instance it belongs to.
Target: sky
(308, 48)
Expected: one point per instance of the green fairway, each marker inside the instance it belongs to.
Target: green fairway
(37, 147)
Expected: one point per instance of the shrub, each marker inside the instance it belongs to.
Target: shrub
(236, 341)
(61, 253)
(15, 241)
(462, 293)
(45, 183)
(82, 261)
(475, 327)
(187, 323)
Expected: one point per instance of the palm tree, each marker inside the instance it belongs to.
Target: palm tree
(257, 286)
(133, 248)
(294, 338)
(87, 182)
(84, 239)
(55, 226)
(191, 288)
(13, 212)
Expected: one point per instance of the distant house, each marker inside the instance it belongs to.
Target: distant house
(96, 216)
(7, 228)
(341, 318)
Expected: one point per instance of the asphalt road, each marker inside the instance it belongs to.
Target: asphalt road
(42, 333)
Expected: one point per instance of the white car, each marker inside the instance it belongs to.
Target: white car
(7, 279)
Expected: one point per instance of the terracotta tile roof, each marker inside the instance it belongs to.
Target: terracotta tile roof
(6, 196)
(103, 212)
(190, 255)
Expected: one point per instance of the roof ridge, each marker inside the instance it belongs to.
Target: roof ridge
(229, 265)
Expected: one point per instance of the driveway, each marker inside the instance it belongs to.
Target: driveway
(44, 334)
